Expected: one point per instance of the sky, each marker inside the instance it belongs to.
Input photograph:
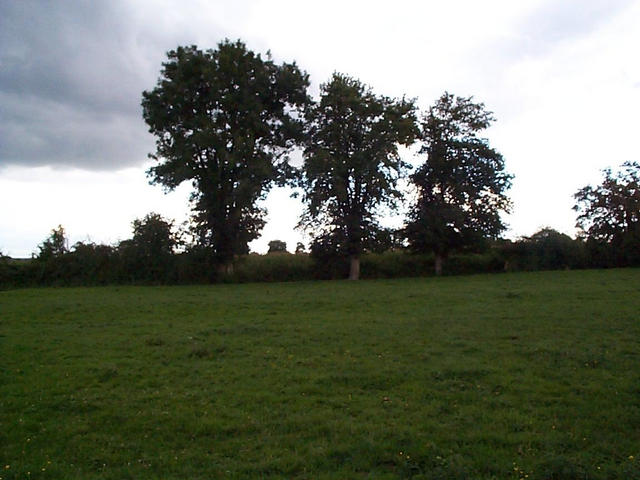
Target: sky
(562, 78)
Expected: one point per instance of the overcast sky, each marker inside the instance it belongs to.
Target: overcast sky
(562, 78)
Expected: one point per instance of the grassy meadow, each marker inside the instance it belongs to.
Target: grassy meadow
(504, 376)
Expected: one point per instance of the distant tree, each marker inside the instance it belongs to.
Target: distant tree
(277, 246)
(54, 246)
(7, 273)
(352, 164)
(155, 235)
(549, 249)
(300, 249)
(610, 212)
(148, 255)
(461, 185)
(224, 119)
(91, 264)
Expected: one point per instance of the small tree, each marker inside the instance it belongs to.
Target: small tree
(54, 246)
(148, 255)
(352, 163)
(277, 246)
(224, 119)
(300, 249)
(610, 212)
(461, 185)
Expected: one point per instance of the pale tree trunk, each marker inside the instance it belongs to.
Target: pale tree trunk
(225, 269)
(438, 264)
(354, 267)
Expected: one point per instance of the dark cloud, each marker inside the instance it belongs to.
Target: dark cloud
(70, 86)
(72, 74)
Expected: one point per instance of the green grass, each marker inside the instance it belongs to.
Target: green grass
(487, 376)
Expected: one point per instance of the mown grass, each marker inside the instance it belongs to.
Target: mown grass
(529, 375)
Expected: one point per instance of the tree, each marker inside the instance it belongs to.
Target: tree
(148, 255)
(277, 246)
(610, 212)
(352, 163)
(461, 185)
(224, 119)
(547, 249)
(54, 246)
(155, 235)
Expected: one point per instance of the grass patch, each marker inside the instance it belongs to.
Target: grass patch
(484, 377)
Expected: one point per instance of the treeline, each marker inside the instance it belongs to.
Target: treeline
(151, 258)
(226, 120)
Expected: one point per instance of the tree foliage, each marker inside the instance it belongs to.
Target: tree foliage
(148, 255)
(546, 249)
(277, 246)
(300, 248)
(609, 213)
(54, 246)
(611, 210)
(461, 185)
(224, 119)
(154, 235)
(352, 163)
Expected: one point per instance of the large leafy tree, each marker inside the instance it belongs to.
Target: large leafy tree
(224, 119)
(352, 163)
(609, 213)
(462, 183)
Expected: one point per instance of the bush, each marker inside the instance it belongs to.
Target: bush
(395, 264)
(274, 267)
(545, 250)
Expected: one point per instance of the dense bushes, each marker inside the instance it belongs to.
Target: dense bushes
(546, 250)
(133, 263)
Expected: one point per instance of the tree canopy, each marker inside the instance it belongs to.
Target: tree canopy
(225, 119)
(352, 163)
(277, 246)
(462, 183)
(609, 213)
(54, 246)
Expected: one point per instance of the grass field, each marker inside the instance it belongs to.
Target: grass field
(506, 376)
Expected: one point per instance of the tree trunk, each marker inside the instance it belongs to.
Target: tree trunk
(438, 264)
(225, 269)
(354, 267)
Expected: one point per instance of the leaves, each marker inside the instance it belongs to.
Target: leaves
(352, 163)
(224, 119)
(461, 186)
(610, 212)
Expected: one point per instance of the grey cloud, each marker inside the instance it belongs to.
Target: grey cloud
(71, 78)
(43, 132)
(73, 52)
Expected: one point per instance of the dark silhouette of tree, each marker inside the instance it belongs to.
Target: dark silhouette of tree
(547, 249)
(225, 119)
(277, 246)
(54, 246)
(461, 186)
(93, 264)
(610, 213)
(352, 164)
(300, 248)
(148, 256)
